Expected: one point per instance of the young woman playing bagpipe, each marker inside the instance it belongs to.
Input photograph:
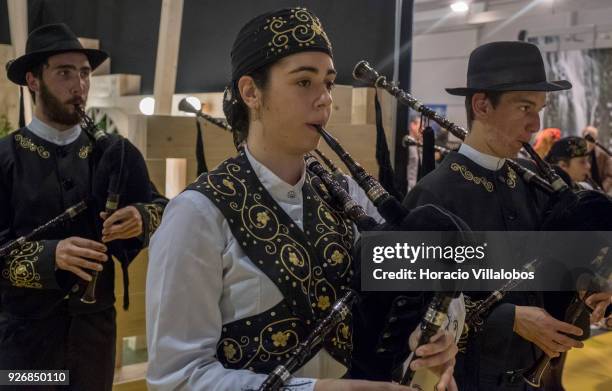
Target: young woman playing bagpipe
(253, 246)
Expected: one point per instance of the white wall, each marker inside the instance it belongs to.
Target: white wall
(440, 58)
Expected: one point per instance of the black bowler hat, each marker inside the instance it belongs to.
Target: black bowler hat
(47, 41)
(507, 66)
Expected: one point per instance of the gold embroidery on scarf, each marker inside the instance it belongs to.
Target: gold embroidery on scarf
(302, 34)
(28, 145)
(467, 174)
(22, 264)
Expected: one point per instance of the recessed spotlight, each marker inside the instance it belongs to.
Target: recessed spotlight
(460, 6)
(147, 105)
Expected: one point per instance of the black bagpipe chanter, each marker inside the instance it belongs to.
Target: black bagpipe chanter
(397, 218)
(436, 312)
(119, 178)
(567, 210)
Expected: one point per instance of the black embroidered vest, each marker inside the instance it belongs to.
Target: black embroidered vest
(311, 267)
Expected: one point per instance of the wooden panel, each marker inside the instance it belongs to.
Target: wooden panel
(135, 385)
(131, 322)
(358, 141)
(130, 378)
(363, 106)
(174, 137)
(342, 105)
(102, 69)
(104, 86)
(167, 54)
(9, 92)
(157, 172)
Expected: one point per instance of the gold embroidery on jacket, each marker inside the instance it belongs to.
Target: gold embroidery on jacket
(511, 180)
(28, 145)
(22, 264)
(154, 214)
(85, 151)
(467, 174)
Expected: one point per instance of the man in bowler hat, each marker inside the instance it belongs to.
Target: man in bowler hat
(506, 90)
(45, 168)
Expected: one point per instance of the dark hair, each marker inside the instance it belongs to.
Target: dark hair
(236, 111)
(37, 71)
(493, 96)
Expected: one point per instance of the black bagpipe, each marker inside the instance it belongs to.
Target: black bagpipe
(339, 312)
(187, 107)
(567, 210)
(590, 139)
(364, 72)
(67, 215)
(398, 218)
(120, 178)
(410, 141)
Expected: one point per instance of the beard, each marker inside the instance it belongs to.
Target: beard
(57, 111)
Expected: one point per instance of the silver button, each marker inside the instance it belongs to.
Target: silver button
(291, 194)
(75, 288)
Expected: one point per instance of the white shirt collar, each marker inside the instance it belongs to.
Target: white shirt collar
(489, 162)
(278, 189)
(52, 135)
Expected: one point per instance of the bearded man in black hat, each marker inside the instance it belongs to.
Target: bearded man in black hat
(252, 245)
(505, 92)
(45, 168)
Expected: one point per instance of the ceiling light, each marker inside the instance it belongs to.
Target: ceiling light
(460, 6)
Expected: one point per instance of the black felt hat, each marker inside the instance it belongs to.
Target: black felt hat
(47, 41)
(507, 66)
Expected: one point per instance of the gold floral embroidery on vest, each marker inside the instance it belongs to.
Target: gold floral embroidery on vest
(294, 259)
(511, 179)
(232, 350)
(28, 145)
(21, 266)
(345, 331)
(229, 185)
(337, 257)
(467, 174)
(262, 219)
(302, 34)
(85, 151)
(323, 302)
(343, 338)
(280, 338)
